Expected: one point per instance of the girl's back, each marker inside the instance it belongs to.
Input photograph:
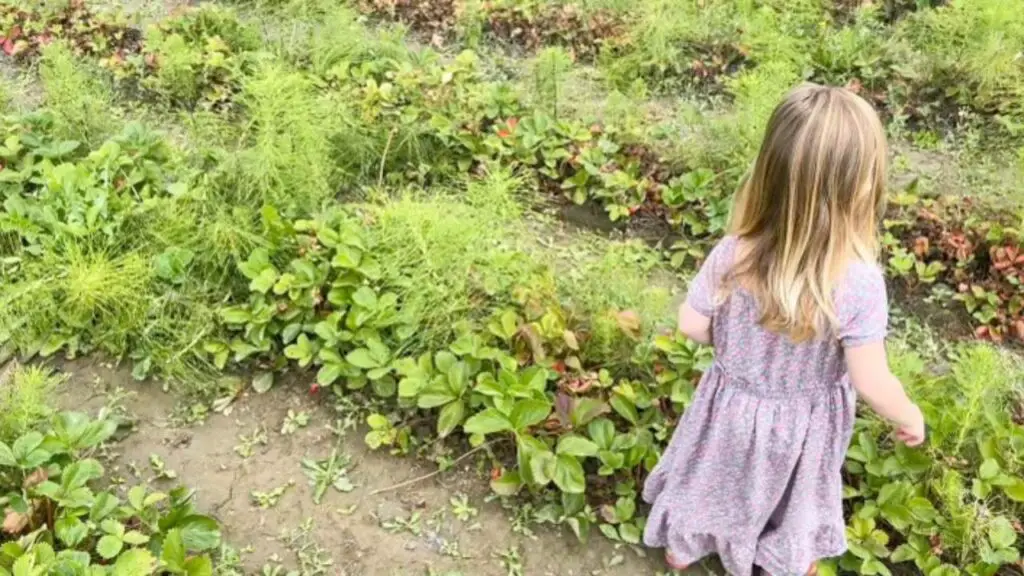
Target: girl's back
(770, 363)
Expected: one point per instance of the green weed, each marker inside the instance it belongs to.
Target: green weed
(26, 394)
(287, 159)
(78, 97)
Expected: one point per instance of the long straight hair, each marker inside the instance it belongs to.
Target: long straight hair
(810, 206)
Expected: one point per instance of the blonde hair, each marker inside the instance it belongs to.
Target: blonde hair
(810, 206)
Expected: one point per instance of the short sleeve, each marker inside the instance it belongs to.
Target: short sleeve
(864, 315)
(701, 294)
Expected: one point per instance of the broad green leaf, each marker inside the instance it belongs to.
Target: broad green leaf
(1015, 490)
(378, 422)
(200, 533)
(625, 508)
(109, 546)
(25, 445)
(112, 527)
(435, 397)
(989, 469)
(135, 538)
(102, 506)
(630, 533)
(610, 532)
(7, 456)
(585, 410)
(328, 374)
(450, 418)
(569, 475)
(199, 566)
(366, 298)
(79, 473)
(444, 361)
(1001, 533)
(374, 439)
(384, 387)
(528, 413)
(262, 382)
(508, 484)
(173, 553)
(347, 257)
(362, 358)
(137, 497)
(602, 431)
(903, 553)
(542, 467)
(71, 531)
(625, 408)
(576, 446)
(489, 421)
(264, 281)
(235, 315)
(258, 261)
(410, 387)
(135, 562)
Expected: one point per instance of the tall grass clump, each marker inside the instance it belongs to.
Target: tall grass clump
(608, 284)
(76, 297)
(666, 34)
(25, 398)
(452, 261)
(969, 50)
(729, 141)
(286, 160)
(77, 95)
(548, 71)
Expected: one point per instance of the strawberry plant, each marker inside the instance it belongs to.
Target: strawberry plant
(57, 520)
(25, 29)
(194, 59)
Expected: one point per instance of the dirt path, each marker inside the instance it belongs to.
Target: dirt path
(352, 533)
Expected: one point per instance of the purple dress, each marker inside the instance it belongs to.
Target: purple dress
(753, 470)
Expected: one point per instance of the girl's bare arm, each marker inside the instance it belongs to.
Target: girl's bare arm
(694, 325)
(869, 372)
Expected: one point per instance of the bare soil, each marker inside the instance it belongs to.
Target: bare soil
(345, 534)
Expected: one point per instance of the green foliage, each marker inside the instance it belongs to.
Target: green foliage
(77, 96)
(286, 158)
(549, 69)
(193, 59)
(425, 299)
(910, 492)
(60, 522)
(968, 50)
(25, 393)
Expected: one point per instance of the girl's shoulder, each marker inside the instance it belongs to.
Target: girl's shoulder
(861, 271)
(863, 280)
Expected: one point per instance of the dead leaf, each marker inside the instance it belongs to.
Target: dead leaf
(629, 322)
(36, 478)
(15, 522)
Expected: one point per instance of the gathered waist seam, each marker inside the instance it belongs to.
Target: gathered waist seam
(750, 387)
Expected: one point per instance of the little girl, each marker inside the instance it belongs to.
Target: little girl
(796, 309)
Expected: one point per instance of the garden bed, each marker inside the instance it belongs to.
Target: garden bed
(347, 217)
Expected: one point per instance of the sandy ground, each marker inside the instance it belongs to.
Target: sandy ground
(354, 533)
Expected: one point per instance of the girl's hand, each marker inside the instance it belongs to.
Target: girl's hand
(912, 431)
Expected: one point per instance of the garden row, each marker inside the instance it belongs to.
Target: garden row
(930, 63)
(233, 252)
(576, 409)
(62, 513)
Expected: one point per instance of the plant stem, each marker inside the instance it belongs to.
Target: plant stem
(434, 473)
